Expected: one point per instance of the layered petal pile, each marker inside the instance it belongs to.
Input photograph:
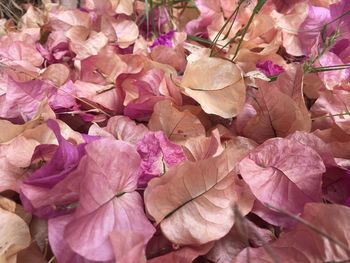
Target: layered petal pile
(175, 131)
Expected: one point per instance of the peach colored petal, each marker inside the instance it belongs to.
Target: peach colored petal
(304, 244)
(85, 43)
(210, 74)
(14, 236)
(216, 84)
(199, 193)
(57, 73)
(103, 95)
(227, 102)
(125, 7)
(177, 125)
(202, 147)
(127, 32)
(273, 113)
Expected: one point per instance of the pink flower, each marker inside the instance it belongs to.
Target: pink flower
(164, 39)
(269, 68)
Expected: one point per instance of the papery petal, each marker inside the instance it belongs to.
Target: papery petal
(14, 235)
(284, 173)
(65, 159)
(304, 244)
(128, 246)
(158, 154)
(107, 200)
(177, 125)
(59, 245)
(24, 98)
(334, 77)
(216, 84)
(310, 28)
(88, 235)
(198, 193)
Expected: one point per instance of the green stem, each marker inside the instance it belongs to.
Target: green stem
(331, 115)
(199, 39)
(256, 10)
(339, 17)
(328, 68)
(232, 16)
(328, 44)
(147, 15)
(328, 23)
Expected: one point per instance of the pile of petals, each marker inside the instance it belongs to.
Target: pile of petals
(176, 131)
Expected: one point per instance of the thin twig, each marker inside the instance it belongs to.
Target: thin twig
(266, 246)
(331, 115)
(311, 226)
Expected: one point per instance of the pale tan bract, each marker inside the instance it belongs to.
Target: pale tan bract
(194, 202)
(178, 125)
(216, 84)
(14, 236)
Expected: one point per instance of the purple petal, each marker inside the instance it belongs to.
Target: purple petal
(164, 39)
(65, 159)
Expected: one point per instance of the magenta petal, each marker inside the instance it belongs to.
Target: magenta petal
(43, 51)
(151, 155)
(199, 26)
(24, 98)
(64, 97)
(64, 161)
(51, 202)
(332, 78)
(152, 86)
(342, 48)
(347, 202)
(164, 39)
(173, 154)
(338, 9)
(143, 109)
(56, 47)
(269, 68)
